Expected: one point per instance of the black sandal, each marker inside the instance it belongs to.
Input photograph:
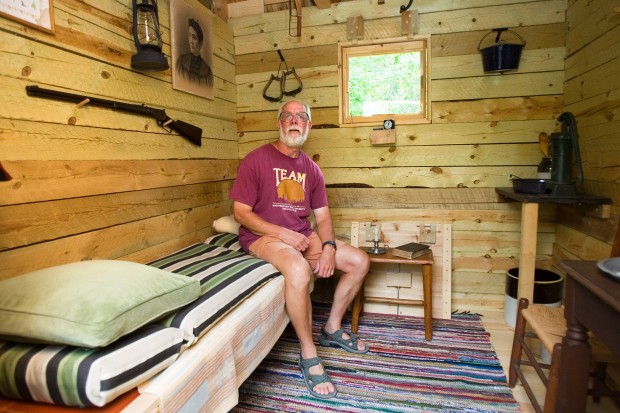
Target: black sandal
(336, 339)
(312, 380)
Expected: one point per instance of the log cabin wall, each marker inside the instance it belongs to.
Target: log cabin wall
(592, 93)
(484, 126)
(91, 183)
(86, 183)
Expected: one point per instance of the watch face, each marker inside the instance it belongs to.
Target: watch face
(388, 124)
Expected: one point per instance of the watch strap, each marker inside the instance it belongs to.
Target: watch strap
(330, 242)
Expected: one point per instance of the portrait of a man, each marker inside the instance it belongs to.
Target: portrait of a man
(191, 48)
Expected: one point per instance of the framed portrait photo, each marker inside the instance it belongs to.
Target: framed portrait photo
(192, 49)
(34, 13)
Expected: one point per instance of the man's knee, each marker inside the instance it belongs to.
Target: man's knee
(298, 274)
(363, 261)
(355, 261)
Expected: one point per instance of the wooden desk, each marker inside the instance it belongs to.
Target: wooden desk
(426, 261)
(592, 302)
(529, 229)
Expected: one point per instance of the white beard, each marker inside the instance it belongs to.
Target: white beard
(293, 141)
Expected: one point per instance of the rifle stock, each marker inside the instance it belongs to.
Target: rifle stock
(190, 132)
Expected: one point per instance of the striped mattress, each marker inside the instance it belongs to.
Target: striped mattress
(238, 317)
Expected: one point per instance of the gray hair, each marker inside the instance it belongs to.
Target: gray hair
(306, 108)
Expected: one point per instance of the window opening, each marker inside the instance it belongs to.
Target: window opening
(385, 80)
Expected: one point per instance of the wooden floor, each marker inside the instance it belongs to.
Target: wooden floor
(501, 339)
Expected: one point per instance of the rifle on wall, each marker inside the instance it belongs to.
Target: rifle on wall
(190, 132)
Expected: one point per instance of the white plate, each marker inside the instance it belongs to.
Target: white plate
(611, 266)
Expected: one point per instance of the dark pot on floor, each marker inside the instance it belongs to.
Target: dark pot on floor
(548, 290)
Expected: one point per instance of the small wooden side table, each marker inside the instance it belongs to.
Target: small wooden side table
(591, 303)
(426, 261)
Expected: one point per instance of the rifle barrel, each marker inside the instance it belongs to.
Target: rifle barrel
(71, 97)
(68, 97)
(189, 132)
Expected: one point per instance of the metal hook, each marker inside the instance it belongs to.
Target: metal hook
(405, 8)
(282, 60)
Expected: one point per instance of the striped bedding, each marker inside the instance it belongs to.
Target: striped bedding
(75, 376)
(207, 376)
(226, 240)
(80, 376)
(226, 278)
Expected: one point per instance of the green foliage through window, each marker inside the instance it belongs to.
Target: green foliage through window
(388, 83)
(385, 79)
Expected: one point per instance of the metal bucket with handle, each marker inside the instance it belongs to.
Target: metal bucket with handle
(501, 56)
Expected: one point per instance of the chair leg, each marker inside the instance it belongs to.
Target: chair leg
(517, 348)
(551, 396)
(600, 388)
(598, 381)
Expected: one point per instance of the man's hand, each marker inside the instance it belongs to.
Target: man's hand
(296, 240)
(326, 263)
(248, 218)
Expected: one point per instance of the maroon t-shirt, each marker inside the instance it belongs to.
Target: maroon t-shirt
(280, 189)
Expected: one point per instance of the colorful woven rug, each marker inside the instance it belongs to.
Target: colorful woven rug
(458, 371)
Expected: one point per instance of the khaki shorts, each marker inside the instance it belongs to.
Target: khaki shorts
(267, 248)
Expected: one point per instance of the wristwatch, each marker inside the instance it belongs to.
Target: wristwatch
(330, 242)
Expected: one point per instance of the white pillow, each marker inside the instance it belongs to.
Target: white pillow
(226, 224)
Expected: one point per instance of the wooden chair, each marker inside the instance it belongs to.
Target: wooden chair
(549, 326)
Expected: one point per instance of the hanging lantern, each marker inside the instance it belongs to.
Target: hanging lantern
(147, 37)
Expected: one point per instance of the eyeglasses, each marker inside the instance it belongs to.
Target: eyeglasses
(287, 116)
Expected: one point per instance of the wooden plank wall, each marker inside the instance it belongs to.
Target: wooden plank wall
(91, 183)
(592, 93)
(407, 279)
(484, 128)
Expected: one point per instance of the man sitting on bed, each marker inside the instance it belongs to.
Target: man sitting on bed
(277, 188)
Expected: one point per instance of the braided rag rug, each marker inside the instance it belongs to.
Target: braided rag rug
(458, 371)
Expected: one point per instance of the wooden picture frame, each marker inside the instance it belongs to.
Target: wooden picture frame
(192, 48)
(38, 14)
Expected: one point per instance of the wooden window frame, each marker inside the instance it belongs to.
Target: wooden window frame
(345, 50)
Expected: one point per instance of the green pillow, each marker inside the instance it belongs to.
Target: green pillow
(89, 303)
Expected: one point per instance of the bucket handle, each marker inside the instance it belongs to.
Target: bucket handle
(499, 31)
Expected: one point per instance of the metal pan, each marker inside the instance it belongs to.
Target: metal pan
(528, 186)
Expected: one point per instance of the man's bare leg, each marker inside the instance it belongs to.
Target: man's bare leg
(355, 264)
(298, 282)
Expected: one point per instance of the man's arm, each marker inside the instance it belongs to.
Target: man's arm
(324, 226)
(326, 264)
(245, 216)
